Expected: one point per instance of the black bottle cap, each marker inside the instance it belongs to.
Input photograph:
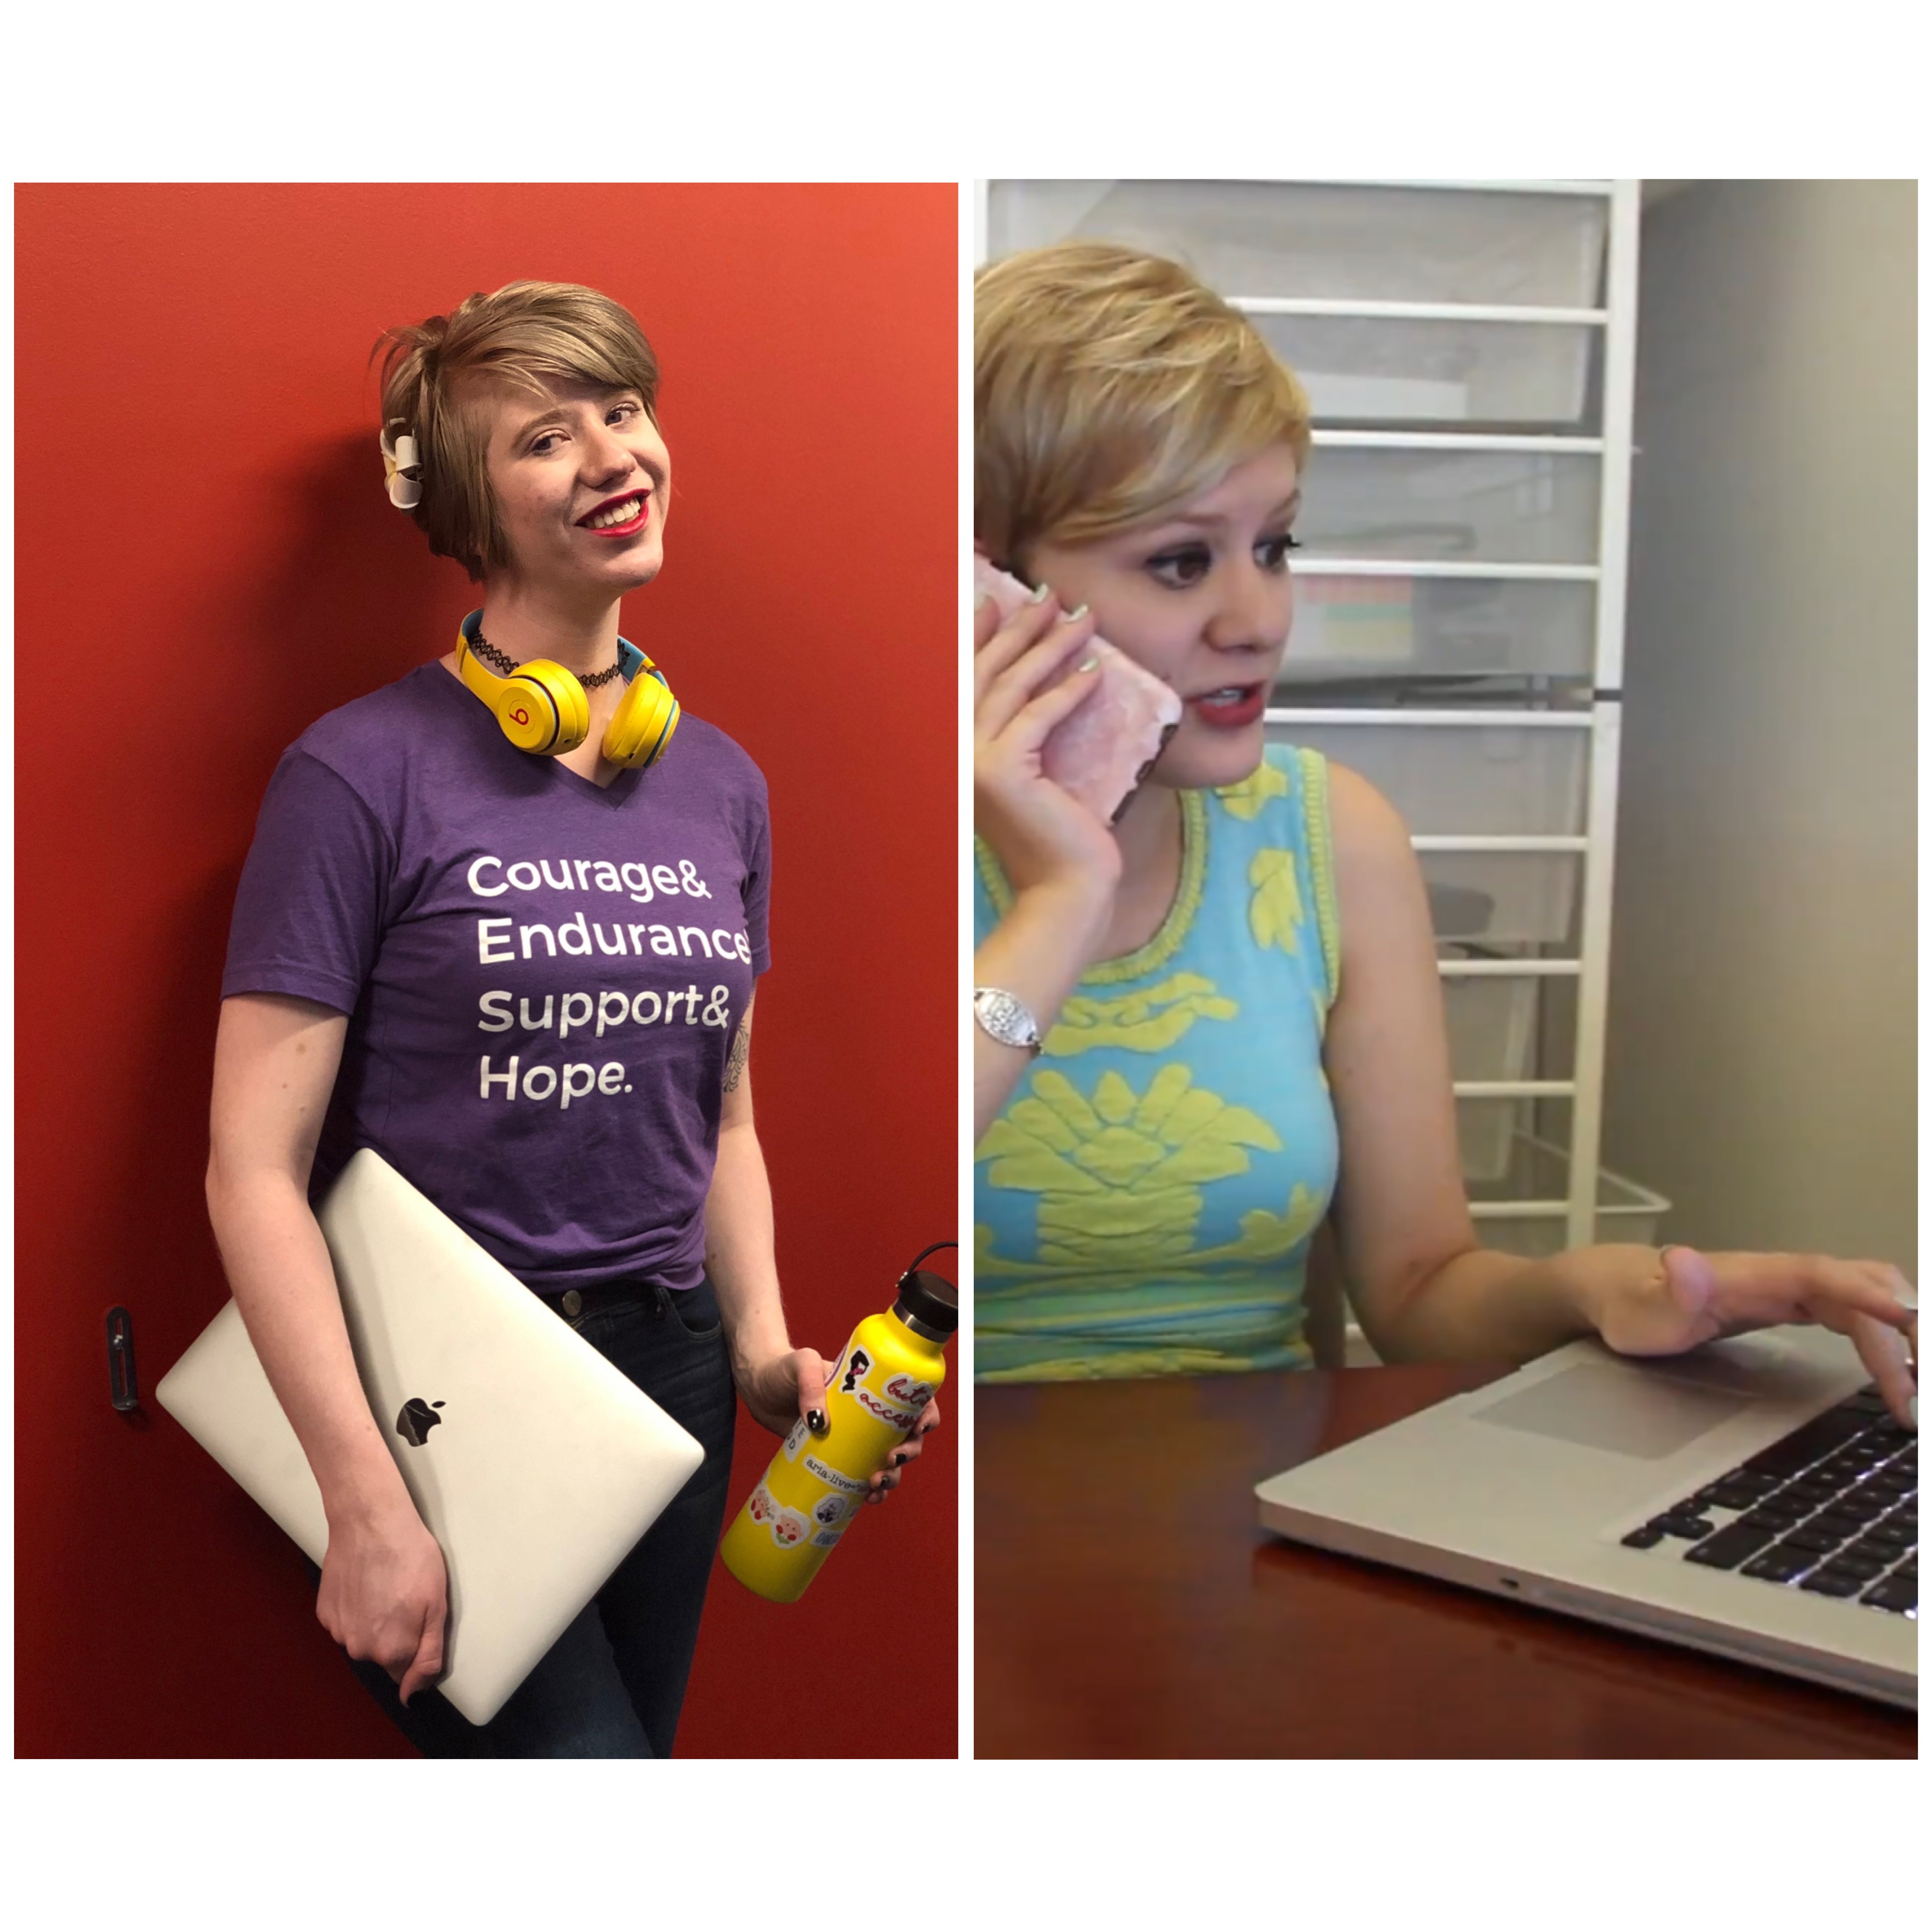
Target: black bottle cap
(929, 1300)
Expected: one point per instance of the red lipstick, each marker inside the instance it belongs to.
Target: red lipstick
(1233, 710)
(631, 527)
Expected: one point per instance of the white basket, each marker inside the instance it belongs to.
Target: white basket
(1454, 506)
(1342, 242)
(1497, 899)
(1538, 1226)
(1384, 372)
(1486, 1131)
(1486, 781)
(1308, 241)
(1352, 626)
(1491, 1029)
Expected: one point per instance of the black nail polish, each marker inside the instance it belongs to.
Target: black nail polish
(815, 1421)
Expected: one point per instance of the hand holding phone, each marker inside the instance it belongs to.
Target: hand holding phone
(1101, 751)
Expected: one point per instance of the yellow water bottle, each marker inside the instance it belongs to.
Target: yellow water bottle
(808, 1495)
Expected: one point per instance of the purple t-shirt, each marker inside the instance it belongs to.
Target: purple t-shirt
(543, 979)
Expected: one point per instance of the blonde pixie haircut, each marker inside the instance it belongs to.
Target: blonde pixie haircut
(1108, 385)
(433, 374)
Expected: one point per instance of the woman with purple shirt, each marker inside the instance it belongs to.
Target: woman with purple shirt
(527, 980)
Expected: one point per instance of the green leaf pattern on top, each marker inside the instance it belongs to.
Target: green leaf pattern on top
(1119, 1178)
(1144, 1022)
(1250, 798)
(1275, 914)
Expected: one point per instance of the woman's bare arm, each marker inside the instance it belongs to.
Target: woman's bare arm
(779, 1383)
(383, 1584)
(1423, 1287)
(1406, 1236)
(275, 1062)
(740, 1249)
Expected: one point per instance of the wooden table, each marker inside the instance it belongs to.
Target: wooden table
(1129, 1604)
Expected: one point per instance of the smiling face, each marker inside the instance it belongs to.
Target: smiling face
(582, 483)
(1201, 597)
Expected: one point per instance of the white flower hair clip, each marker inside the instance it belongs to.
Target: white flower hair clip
(402, 467)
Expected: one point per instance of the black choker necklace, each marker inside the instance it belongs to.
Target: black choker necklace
(507, 665)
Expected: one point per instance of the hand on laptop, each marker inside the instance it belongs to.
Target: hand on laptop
(1695, 1297)
(783, 1388)
(385, 1595)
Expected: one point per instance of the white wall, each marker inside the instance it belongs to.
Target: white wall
(1761, 1064)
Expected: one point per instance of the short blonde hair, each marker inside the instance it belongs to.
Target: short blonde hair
(1107, 385)
(525, 332)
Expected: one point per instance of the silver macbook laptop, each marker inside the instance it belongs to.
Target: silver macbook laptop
(1753, 1498)
(535, 1463)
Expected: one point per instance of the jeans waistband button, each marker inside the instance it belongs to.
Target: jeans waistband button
(573, 1303)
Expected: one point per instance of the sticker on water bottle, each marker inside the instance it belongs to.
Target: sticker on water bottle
(788, 1527)
(888, 1412)
(827, 1539)
(761, 1505)
(834, 1478)
(830, 1510)
(795, 1441)
(909, 1390)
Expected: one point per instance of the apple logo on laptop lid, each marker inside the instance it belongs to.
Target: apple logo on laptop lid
(418, 1418)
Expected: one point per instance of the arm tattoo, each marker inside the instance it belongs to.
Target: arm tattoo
(741, 1052)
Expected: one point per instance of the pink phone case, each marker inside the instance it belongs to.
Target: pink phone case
(1102, 750)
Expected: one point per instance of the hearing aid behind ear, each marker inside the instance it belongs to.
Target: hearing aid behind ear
(402, 466)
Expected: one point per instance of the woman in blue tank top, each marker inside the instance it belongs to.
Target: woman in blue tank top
(1222, 1023)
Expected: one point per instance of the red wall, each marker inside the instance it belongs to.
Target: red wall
(205, 563)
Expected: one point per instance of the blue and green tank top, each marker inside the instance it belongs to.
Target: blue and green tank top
(1144, 1204)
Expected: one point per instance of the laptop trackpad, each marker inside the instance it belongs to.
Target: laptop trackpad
(1632, 1415)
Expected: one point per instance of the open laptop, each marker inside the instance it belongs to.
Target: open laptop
(535, 1463)
(1754, 1498)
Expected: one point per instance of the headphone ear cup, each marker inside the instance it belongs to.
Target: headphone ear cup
(645, 719)
(543, 709)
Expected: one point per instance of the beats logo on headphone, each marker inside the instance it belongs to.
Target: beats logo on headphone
(543, 709)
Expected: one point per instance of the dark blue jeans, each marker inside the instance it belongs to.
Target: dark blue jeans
(612, 1684)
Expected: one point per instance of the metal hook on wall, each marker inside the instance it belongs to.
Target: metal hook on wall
(123, 1389)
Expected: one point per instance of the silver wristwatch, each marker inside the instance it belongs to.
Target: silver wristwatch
(1004, 1019)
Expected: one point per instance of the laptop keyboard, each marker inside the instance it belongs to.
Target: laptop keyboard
(1832, 1507)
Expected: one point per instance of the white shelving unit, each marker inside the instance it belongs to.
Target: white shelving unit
(1469, 349)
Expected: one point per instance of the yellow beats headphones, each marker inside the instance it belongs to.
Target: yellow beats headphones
(542, 708)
